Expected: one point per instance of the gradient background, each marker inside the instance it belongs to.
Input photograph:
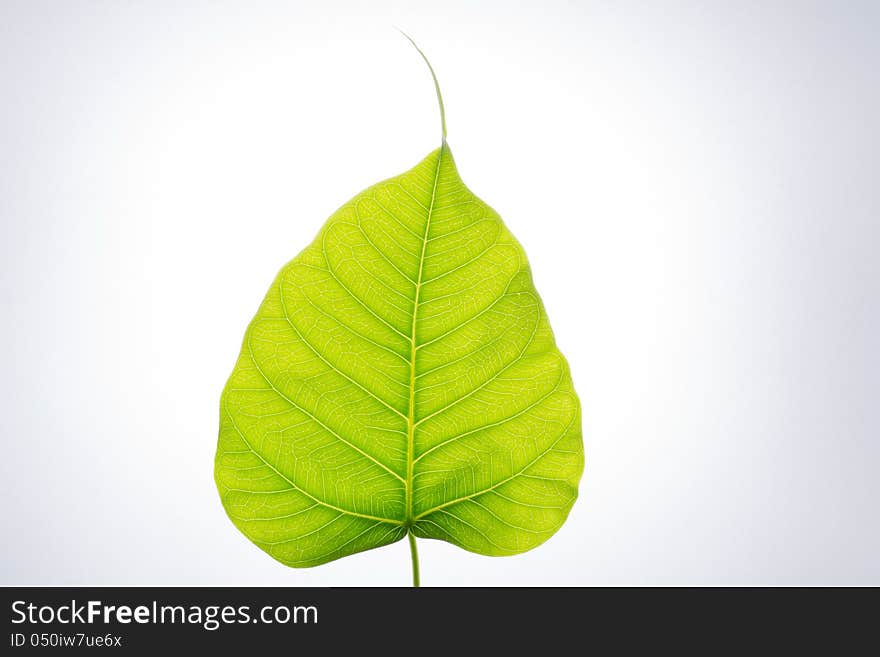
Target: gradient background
(696, 185)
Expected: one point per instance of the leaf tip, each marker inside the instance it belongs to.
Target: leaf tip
(436, 83)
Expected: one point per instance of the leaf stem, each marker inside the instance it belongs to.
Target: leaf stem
(436, 84)
(414, 551)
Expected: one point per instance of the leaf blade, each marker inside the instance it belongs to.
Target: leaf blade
(424, 389)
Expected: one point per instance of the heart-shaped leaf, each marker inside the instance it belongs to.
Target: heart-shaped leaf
(401, 377)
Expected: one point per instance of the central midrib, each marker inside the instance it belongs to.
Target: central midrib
(411, 424)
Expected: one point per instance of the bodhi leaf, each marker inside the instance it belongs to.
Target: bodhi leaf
(401, 377)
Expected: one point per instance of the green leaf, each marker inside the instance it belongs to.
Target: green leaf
(401, 376)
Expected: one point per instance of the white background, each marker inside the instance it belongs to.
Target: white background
(696, 185)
